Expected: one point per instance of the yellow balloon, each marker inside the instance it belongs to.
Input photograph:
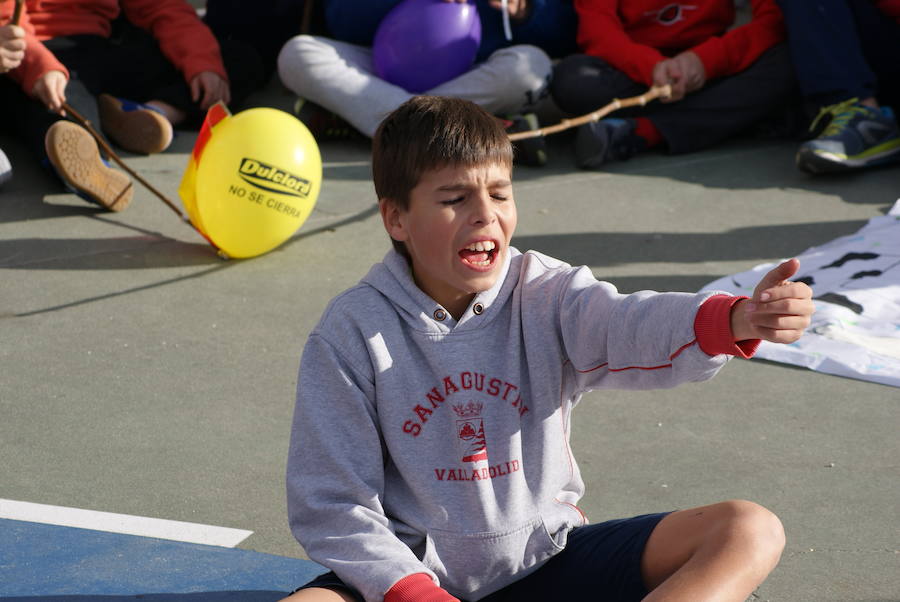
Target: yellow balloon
(257, 181)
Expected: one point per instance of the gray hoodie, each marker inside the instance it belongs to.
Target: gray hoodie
(422, 444)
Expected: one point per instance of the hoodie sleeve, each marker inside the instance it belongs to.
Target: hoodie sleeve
(38, 58)
(335, 477)
(601, 33)
(645, 340)
(739, 48)
(183, 38)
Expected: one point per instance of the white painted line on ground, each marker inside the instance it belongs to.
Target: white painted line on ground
(330, 164)
(122, 523)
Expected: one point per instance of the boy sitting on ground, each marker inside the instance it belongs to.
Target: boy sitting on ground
(430, 454)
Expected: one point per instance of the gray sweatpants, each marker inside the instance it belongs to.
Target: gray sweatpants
(341, 77)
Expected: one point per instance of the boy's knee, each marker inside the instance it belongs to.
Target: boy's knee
(295, 56)
(522, 63)
(535, 61)
(583, 83)
(759, 527)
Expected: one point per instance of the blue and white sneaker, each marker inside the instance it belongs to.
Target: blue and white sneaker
(74, 155)
(857, 136)
(5, 168)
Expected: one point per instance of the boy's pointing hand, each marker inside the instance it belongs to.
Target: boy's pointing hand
(779, 310)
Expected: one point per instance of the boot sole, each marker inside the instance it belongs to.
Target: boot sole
(815, 163)
(76, 157)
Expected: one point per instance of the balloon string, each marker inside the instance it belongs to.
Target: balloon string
(507, 31)
(654, 92)
(109, 151)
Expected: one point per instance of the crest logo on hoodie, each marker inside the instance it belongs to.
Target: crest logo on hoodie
(470, 431)
(670, 14)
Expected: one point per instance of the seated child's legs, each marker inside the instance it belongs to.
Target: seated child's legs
(582, 84)
(511, 80)
(719, 552)
(726, 106)
(340, 77)
(600, 561)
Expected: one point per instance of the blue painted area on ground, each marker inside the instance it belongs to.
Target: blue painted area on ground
(48, 563)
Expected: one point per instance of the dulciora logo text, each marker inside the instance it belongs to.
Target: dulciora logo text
(273, 179)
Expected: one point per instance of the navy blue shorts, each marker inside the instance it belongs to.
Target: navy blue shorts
(599, 562)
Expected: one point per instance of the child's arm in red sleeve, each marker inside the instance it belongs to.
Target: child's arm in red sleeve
(739, 48)
(602, 34)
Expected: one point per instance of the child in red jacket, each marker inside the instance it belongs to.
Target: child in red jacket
(32, 91)
(136, 68)
(723, 78)
(155, 52)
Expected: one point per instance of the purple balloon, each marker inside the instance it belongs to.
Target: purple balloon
(421, 44)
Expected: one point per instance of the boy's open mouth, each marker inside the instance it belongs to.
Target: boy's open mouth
(479, 254)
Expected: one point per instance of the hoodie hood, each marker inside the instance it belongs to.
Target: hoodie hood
(393, 279)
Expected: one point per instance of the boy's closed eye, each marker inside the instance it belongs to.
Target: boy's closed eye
(459, 199)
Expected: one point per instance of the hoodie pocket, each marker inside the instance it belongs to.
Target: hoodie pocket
(472, 565)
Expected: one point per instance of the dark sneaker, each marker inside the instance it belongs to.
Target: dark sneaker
(135, 127)
(324, 124)
(857, 136)
(529, 151)
(606, 140)
(74, 155)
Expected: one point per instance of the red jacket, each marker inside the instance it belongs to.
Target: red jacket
(183, 38)
(38, 59)
(634, 35)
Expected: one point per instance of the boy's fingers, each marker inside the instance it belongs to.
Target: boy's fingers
(789, 290)
(789, 306)
(776, 277)
(779, 336)
(780, 322)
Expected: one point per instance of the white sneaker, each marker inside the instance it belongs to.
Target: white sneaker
(5, 169)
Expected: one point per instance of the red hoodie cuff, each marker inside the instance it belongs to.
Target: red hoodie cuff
(417, 588)
(712, 326)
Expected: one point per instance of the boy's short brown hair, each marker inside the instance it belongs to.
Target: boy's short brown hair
(432, 132)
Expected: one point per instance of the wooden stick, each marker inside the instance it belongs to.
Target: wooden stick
(17, 14)
(112, 155)
(306, 22)
(652, 93)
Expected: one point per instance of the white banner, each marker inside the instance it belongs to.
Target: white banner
(855, 331)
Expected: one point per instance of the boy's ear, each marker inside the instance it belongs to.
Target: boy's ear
(392, 215)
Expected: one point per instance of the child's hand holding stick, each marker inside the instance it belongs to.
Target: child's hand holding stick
(652, 93)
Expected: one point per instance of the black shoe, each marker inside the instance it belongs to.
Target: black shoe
(605, 140)
(530, 151)
(324, 124)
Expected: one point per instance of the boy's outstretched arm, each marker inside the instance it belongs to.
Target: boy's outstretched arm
(779, 310)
